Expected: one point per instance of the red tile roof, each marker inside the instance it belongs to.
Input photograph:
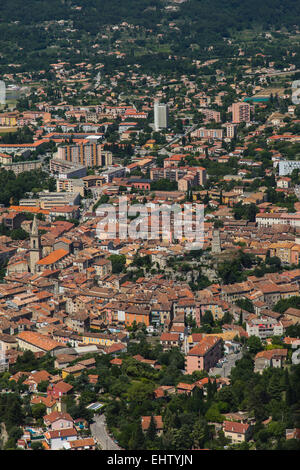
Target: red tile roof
(56, 415)
(43, 342)
(61, 387)
(169, 337)
(146, 422)
(53, 257)
(205, 345)
(61, 433)
(231, 426)
(86, 442)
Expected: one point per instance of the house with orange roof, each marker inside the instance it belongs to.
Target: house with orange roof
(87, 443)
(149, 144)
(270, 358)
(237, 432)
(116, 362)
(115, 348)
(56, 439)
(163, 391)
(170, 340)
(36, 378)
(185, 388)
(58, 420)
(157, 421)
(293, 342)
(60, 389)
(50, 403)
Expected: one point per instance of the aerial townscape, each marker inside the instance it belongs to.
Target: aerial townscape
(117, 339)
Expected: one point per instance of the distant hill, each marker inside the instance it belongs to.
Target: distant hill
(43, 30)
(218, 15)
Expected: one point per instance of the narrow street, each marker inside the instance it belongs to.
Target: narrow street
(100, 434)
(225, 370)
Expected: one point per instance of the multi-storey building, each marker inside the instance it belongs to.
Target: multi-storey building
(240, 112)
(176, 174)
(211, 115)
(21, 167)
(66, 169)
(161, 116)
(270, 219)
(264, 327)
(286, 167)
(237, 432)
(113, 172)
(85, 153)
(70, 185)
(204, 133)
(230, 130)
(204, 355)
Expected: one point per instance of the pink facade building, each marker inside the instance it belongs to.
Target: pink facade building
(58, 420)
(204, 355)
(240, 112)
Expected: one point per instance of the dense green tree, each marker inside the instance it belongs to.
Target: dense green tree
(118, 263)
(39, 410)
(254, 344)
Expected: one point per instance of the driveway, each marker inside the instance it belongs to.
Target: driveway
(100, 434)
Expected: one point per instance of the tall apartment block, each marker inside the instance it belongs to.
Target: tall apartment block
(211, 115)
(240, 112)
(87, 154)
(2, 92)
(230, 130)
(161, 116)
(286, 167)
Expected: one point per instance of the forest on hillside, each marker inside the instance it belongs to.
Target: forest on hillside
(43, 31)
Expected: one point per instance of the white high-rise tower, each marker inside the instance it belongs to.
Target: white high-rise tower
(2, 92)
(161, 116)
(3, 362)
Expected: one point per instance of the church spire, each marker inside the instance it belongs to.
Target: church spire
(34, 228)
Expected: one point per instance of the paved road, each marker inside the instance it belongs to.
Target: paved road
(100, 434)
(289, 72)
(227, 366)
(163, 150)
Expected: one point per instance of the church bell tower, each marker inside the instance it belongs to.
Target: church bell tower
(35, 246)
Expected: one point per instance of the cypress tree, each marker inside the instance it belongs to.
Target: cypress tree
(138, 438)
(151, 432)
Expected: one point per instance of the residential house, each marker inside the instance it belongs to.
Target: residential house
(270, 358)
(237, 432)
(59, 390)
(58, 420)
(87, 443)
(57, 439)
(158, 423)
(170, 340)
